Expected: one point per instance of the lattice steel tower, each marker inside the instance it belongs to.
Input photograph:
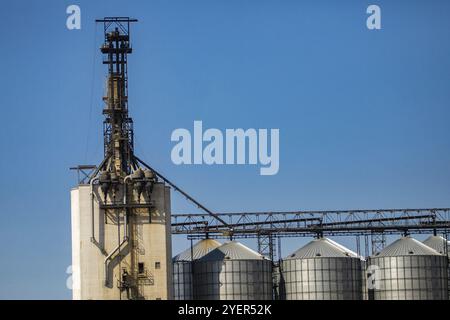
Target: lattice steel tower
(118, 126)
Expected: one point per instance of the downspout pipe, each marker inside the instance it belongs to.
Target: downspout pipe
(125, 181)
(93, 240)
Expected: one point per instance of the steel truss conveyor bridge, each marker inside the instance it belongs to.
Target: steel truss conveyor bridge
(367, 226)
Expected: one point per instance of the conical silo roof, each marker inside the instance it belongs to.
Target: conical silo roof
(437, 243)
(322, 248)
(199, 249)
(232, 251)
(406, 246)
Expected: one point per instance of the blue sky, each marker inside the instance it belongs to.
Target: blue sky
(363, 115)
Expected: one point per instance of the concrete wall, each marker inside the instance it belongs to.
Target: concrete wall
(149, 243)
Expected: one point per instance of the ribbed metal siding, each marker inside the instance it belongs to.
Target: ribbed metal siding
(322, 279)
(233, 280)
(182, 280)
(411, 278)
(442, 246)
(364, 284)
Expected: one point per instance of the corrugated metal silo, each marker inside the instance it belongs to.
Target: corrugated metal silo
(233, 272)
(322, 270)
(182, 268)
(409, 270)
(438, 243)
(441, 245)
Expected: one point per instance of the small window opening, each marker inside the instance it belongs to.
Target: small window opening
(157, 265)
(141, 268)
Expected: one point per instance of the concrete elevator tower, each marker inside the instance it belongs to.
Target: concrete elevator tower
(121, 239)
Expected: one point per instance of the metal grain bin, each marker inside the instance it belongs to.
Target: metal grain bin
(233, 272)
(438, 243)
(322, 270)
(182, 268)
(409, 270)
(441, 245)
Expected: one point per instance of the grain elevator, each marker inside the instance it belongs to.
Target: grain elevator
(120, 215)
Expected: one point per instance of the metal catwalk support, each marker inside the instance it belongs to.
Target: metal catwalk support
(266, 245)
(378, 241)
